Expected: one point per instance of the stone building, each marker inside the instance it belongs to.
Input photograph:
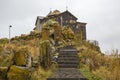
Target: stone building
(65, 19)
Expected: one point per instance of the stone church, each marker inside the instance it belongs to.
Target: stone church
(65, 19)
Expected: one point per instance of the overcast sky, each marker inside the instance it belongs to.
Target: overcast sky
(102, 17)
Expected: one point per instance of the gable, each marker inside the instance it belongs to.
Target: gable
(39, 18)
(67, 13)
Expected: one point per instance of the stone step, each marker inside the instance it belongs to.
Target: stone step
(68, 56)
(68, 62)
(66, 79)
(67, 74)
(67, 47)
(67, 59)
(65, 56)
(68, 51)
(68, 65)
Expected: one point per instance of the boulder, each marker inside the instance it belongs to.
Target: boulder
(18, 73)
(22, 57)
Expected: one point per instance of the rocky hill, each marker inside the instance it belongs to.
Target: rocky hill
(41, 50)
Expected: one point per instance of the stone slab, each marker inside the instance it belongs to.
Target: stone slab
(67, 74)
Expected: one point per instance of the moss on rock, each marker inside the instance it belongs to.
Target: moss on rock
(18, 73)
(45, 58)
(21, 56)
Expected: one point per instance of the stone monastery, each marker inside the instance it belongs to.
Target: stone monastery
(65, 19)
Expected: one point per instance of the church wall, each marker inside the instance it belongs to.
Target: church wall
(67, 20)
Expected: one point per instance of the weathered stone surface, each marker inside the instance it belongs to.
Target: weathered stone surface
(18, 73)
(68, 63)
(45, 51)
(65, 19)
(22, 57)
(67, 74)
(45, 34)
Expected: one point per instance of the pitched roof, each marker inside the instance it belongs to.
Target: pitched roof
(39, 17)
(81, 23)
(68, 13)
(57, 12)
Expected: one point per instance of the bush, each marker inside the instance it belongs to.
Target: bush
(40, 74)
(21, 56)
(4, 41)
(3, 72)
(1, 49)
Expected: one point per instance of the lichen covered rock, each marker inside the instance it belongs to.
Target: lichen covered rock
(45, 51)
(18, 73)
(22, 57)
(53, 29)
(45, 34)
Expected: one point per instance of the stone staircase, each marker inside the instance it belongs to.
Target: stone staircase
(68, 58)
(68, 63)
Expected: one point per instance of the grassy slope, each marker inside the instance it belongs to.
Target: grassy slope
(93, 64)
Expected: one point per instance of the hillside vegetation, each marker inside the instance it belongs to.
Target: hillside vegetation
(94, 65)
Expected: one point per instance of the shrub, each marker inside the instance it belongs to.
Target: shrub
(4, 41)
